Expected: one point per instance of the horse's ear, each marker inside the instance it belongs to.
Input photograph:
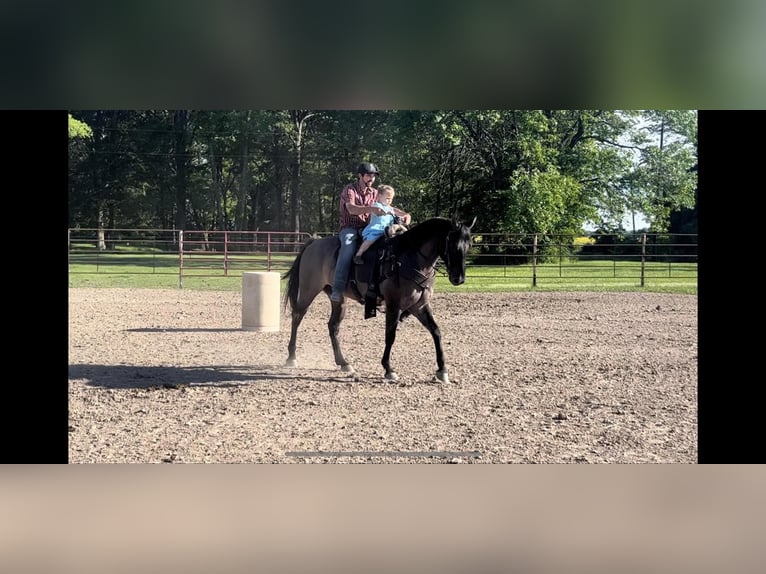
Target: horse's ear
(456, 220)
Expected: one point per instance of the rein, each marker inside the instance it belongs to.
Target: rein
(444, 255)
(421, 279)
(424, 280)
(413, 260)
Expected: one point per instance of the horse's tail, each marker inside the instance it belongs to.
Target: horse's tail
(293, 278)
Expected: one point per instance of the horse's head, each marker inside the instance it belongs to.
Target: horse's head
(456, 250)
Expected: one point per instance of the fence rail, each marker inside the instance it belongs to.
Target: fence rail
(531, 258)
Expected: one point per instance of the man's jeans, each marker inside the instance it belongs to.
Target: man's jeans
(348, 246)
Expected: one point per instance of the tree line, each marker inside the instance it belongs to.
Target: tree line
(517, 171)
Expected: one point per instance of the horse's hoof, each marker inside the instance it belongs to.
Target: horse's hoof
(291, 363)
(441, 376)
(392, 376)
(347, 368)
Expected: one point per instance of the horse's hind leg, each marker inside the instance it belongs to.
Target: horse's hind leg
(303, 301)
(426, 317)
(297, 317)
(333, 326)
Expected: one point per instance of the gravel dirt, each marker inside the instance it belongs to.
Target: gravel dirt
(169, 376)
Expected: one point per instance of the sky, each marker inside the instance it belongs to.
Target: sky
(641, 222)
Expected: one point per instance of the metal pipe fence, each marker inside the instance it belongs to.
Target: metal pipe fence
(533, 259)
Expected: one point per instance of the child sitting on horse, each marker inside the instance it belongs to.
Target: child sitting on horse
(381, 224)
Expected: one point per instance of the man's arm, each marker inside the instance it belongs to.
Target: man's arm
(355, 209)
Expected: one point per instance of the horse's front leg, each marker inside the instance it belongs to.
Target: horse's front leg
(392, 322)
(426, 318)
(333, 325)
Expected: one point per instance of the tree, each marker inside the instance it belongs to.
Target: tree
(78, 129)
(664, 178)
(298, 119)
(181, 146)
(523, 171)
(519, 171)
(80, 138)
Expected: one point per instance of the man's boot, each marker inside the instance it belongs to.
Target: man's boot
(371, 301)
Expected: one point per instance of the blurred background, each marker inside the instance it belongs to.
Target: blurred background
(248, 55)
(338, 519)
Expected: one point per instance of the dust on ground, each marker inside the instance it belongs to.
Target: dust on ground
(169, 376)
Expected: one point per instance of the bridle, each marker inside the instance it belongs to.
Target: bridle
(423, 280)
(444, 254)
(446, 251)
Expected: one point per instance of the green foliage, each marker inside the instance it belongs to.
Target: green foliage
(531, 171)
(78, 129)
(546, 202)
(664, 179)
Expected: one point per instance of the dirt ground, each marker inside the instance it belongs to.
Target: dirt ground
(169, 376)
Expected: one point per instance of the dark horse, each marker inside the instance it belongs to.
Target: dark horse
(405, 288)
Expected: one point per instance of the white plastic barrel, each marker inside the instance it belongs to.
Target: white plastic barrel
(260, 301)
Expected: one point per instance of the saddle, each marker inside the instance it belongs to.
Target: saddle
(379, 264)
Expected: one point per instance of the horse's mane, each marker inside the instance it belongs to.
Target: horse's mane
(420, 233)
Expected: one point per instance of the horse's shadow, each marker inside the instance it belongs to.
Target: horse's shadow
(170, 377)
(184, 330)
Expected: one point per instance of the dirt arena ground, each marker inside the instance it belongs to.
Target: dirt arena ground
(169, 376)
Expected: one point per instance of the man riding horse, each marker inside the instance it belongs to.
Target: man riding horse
(356, 206)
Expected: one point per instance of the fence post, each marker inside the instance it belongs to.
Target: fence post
(534, 261)
(643, 257)
(180, 259)
(561, 256)
(226, 253)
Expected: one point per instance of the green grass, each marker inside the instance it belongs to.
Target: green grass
(581, 276)
(161, 271)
